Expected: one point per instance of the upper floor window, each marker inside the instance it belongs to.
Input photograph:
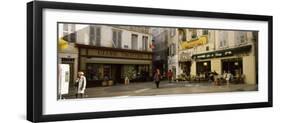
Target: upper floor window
(172, 32)
(95, 35)
(69, 33)
(193, 33)
(144, 43)
(207, 48)
(117, 38)
(241, 37)
(223, 35)
(172, 49)
(182, 35)
(134, 42)
(205, 32)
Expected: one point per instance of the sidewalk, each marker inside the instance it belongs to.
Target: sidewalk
(149, 89)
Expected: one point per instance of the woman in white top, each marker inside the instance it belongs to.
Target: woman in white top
(228, 77)
(81, 85)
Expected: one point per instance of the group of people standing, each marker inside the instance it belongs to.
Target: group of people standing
(213, 76)
(227, 76)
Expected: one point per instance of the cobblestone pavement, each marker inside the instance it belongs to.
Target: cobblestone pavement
(149, 89)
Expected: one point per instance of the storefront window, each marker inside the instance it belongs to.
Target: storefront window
(129, 71)
(203, 68)
(94, 72)
(117, 72)
(234, 66)
(107, 72)
(136, 73)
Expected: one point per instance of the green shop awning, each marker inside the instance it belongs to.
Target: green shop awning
(223, 53)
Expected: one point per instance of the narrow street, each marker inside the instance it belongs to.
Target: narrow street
(166, 88)
(107, 55)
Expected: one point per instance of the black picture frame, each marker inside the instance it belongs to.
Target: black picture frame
(34, 60)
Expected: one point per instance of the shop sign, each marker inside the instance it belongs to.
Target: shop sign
(228, 52)
(190, 44)
(213, 55)
(185, 56)
(118, 54)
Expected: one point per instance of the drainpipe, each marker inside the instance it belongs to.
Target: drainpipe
(215, 40)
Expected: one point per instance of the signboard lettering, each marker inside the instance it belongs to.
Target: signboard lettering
(118, 54)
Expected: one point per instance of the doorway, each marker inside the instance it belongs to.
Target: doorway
(116, 73)
(186, 67)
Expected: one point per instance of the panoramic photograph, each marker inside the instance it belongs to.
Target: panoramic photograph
(102, 60)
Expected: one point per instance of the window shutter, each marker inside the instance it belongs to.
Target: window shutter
(119, 39)
(92, 35)
(98, 36)
(114, 38)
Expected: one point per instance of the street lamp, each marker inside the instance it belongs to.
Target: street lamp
(205, 64)
(236, 63)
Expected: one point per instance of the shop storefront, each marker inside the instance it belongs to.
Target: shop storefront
(117, 72)
(69, 56)
(108, 64)
(233, 65)
(185, 62)
(203, 68)
(185, 67)
(238, 61)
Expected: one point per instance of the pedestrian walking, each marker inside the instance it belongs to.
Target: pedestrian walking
(81, 85)
(170, 75)
(157, 77)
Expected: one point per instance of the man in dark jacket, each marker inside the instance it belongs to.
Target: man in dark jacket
(157, 77)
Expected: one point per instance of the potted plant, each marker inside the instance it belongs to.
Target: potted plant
(129, 74)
